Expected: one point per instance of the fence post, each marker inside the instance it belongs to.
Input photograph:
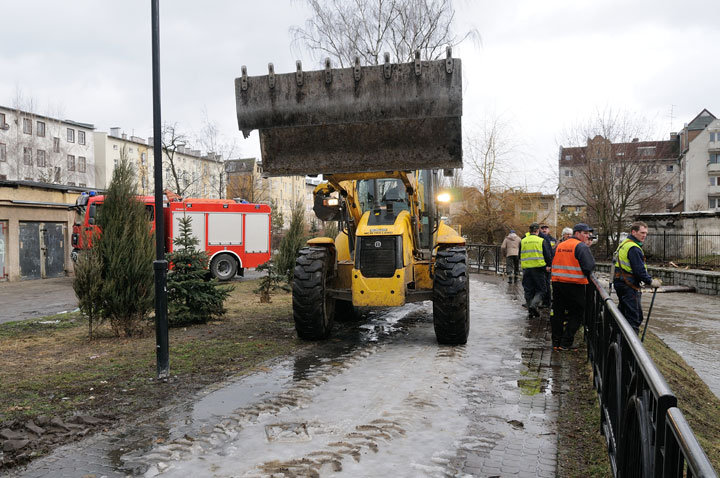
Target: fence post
(697, 249)
(664, 245)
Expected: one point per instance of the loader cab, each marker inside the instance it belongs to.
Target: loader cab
(385, 194)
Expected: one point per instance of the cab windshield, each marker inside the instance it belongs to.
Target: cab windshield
(378, 193)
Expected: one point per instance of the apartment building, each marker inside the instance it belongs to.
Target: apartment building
(43, 149)
(700, 140)
(245, 181)
(652, 168)
(196, 174)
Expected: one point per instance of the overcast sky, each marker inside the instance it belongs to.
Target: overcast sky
(541, 66)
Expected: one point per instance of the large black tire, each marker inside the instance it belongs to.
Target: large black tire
(223, 267)
(451, 298)
(313, 310)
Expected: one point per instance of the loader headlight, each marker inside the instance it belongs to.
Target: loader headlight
(443, 197)
(331, 202)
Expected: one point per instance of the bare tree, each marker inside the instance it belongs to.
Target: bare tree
(615, 172)
(219, 149)
(343, 29)
(173, 142)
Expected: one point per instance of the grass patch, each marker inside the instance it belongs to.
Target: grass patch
(50, 367)
(698, 404)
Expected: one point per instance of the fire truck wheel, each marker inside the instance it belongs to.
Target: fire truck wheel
(313, 310)
(451, 301)
(223, 267)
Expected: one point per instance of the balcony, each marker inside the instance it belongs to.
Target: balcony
(714, 146)
(713, 190)
(713, 167)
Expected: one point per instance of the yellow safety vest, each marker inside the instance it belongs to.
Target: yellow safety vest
(622, 261)
(531, 252)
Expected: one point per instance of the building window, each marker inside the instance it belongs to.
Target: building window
(668, 188)
(3, 125)
(115, 146)
(27, 156)
(646, 151)
(3, 152)
(714, 158)
(668, 206)
(82, 185)
(669, 168)
(27, 126)
(71, 162)
(714, 181)
(82, 164)
(712, 137)
(3, 177)
(70, 183)
(70, 135)
(81, 137)
(143, 157)
(56, 145)
(57, 174)
(40, 157)
(41, 129)
(714, 203)
(568, 157)
(568, 173)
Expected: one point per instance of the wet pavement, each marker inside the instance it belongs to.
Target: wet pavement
(36, 298)
(31, 299)
(379, 399)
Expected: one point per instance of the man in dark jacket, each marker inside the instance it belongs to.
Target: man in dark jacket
(630, 271)
(572, 265)
(545, 234)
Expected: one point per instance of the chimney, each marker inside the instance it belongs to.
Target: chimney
(115, 132)
(124, 136)
(673, 136)
(151, 141)
(635, 140)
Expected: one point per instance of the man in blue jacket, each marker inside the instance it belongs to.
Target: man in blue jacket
(630, 271)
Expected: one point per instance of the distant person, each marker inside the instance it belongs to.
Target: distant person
(545, 234)
(566, 234)
(510, 250)
(630, 271)
(571, 266)
(535, 258)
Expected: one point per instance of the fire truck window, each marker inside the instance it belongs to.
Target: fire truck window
(150, 210)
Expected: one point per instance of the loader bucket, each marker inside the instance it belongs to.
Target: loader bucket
(373, 118)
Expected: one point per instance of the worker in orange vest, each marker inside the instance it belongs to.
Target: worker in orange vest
(571, 266)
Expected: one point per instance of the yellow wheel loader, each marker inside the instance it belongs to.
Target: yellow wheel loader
(381, 136)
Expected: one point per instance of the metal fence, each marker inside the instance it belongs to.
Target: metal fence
(696, 250)
(645, 432)
(485, 257)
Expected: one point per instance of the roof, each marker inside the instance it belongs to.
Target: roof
(701, 121)
(240, 165)
(36, 115)
(667, 149)
(38, 185)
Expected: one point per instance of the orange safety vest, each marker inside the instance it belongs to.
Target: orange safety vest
(565, 267)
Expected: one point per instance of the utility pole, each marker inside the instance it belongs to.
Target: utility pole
(160, 264)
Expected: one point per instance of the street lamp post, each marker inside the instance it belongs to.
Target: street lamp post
(160, 264)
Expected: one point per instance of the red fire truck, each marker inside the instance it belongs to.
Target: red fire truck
(235, 235)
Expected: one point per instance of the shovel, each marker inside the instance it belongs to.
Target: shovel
(652, 301)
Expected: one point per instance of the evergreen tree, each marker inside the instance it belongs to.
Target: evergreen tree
(292, 242)
(191, 298)
(88, 287)
(270, 282)
(125, 250)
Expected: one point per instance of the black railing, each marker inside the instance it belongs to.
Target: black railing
(485, 257)
(646, 434)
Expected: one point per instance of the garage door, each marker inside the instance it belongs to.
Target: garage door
(42, 250)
